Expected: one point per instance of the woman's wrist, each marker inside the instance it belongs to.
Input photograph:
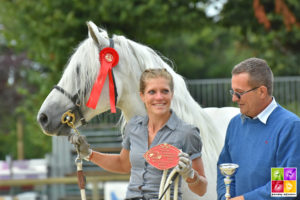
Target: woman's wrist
(90, 156)
(195, 180)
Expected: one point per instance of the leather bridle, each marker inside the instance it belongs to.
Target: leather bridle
(75, 100)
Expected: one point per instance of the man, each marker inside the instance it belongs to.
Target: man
(263, 136)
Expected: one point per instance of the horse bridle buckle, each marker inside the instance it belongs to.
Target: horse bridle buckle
(68, 118)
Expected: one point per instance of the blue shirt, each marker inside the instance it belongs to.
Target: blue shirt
(257, 147)
(144, 178)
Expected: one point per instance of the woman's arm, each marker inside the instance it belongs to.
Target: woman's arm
(198, 184)
(118, 163)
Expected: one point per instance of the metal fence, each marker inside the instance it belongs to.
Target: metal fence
(210, 92)
(215, 92)
(287, 93)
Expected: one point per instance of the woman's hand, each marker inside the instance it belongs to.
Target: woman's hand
(184, 167)
(81, 145)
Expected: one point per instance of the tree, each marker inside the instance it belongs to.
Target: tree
(277, 40)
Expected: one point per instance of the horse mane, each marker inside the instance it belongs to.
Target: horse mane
(141, 57)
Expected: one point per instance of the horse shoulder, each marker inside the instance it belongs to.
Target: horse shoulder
(221, 116)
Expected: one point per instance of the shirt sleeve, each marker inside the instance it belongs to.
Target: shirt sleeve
(126, 137)
(192, 143)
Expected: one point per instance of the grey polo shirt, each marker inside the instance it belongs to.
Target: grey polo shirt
(145, 179)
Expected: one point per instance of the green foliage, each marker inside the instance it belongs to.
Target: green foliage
(278, 45)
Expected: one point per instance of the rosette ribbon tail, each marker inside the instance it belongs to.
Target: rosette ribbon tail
(108, 59)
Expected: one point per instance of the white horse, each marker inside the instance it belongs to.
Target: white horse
(80, 75)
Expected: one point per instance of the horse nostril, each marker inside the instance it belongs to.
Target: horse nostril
(43, 119)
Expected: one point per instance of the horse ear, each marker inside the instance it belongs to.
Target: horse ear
(92, 31)
(99, 36)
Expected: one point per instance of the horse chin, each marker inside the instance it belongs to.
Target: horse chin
(62, 130)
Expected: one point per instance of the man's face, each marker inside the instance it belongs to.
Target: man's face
(248, 102)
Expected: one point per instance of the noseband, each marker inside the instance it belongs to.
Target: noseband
(75, 100)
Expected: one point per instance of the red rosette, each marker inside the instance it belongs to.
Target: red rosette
(109, 58)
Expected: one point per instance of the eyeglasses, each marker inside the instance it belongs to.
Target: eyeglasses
(239, 94)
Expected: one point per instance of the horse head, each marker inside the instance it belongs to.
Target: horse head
(74, 88)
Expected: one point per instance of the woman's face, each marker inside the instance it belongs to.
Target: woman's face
(157, 96)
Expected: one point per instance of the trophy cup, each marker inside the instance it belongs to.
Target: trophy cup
(228, 170)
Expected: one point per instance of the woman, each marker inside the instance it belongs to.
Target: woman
(161, 125)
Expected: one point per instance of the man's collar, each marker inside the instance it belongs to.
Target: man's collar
(264, 115)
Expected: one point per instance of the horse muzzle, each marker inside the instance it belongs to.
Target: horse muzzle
(50, 123)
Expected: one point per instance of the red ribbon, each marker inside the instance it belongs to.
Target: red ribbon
(108, 59)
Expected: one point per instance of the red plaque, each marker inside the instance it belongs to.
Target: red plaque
(163, 156)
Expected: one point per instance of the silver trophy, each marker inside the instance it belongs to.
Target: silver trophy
(228, 170)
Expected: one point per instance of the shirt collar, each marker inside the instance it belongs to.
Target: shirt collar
(171, 123)
(264, 115)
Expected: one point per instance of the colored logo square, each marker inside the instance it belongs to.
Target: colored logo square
(290, 174)
(290, 186)
(277, 187)
(277, 174)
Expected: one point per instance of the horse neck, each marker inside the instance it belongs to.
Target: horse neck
(131, 105)
(129, 101)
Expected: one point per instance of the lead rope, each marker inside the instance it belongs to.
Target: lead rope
(165, 190)
(69, 119)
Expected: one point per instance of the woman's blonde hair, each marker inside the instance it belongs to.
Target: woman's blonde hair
(155, 73)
